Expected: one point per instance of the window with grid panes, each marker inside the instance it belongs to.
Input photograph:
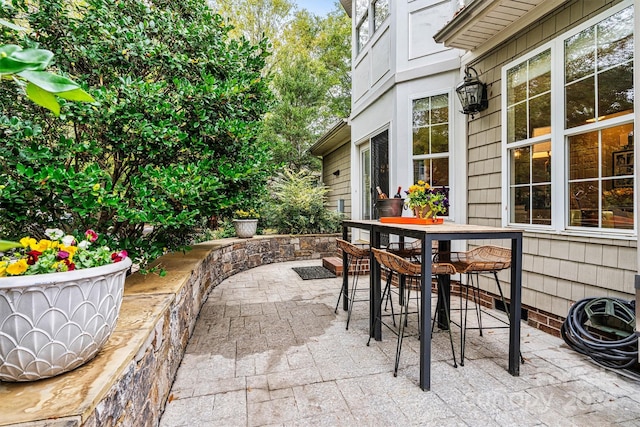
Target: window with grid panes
(431, 141)
(370, 14)
(592, 94)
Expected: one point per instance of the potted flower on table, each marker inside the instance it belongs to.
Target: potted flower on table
(427, 202)
(59, 302)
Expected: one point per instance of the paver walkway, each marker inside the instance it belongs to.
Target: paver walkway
(269, 350)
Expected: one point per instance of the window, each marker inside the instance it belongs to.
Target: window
(431, 141)
(362, 23)
(365, 27)
(599, 71)
(529, 125)
(582, 111)
(601, 178)
(380, 13)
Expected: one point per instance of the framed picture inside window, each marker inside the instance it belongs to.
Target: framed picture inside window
(622, 165)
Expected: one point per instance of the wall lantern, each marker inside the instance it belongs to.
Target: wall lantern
(472, 93)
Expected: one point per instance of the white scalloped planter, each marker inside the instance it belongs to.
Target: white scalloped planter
(245, 228)
(53, 323)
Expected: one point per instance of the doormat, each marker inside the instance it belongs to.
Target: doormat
(309, 273)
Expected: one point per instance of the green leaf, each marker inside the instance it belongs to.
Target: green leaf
(14, 60)
(8, 49)
(48, 81)
(9, 66)
(43, 98)
(76, 95)
(5, 245)
(39, 58)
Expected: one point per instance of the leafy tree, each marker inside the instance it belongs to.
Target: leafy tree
(312, 85)
(310, 67)
(170, 141)
(256, 20)
(26, 67)
(292, 121)
(334, 53)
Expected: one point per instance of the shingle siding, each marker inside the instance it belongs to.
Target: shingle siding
(558, 269)
(338, 159)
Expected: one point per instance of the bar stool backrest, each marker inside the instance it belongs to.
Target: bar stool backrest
(405, 249)
(355, 250)
(402, 266)
(395, 263)
(482, 259)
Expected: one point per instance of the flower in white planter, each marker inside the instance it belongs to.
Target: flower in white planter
(246, 223)
(248, 214)
(65, 294)
(59, 253)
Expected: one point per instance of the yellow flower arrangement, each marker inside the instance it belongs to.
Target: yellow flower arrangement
(248, 214)
(421, 195)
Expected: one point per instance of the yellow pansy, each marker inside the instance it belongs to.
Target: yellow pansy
(18, 267)
(28, 242)
(43, 245)
(3, 268)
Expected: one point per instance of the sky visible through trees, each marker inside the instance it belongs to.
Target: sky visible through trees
(317, 7)
(309, 70)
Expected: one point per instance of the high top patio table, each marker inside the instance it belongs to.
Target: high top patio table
(443, 234)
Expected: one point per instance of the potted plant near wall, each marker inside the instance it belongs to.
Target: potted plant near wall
(59, 302)
(246, 223)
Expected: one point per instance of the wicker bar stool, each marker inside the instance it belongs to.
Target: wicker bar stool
(409, 274)
(356, 253)
(483, 259)
(408, 250)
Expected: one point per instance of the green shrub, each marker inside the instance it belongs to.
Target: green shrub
(170, 141)
(298, 205)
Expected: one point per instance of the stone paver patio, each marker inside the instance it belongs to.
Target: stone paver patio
(268, 350)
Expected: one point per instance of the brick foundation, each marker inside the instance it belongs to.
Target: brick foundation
(334, 264)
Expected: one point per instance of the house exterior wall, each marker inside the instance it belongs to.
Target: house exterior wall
(417, 54)
(401, 63)
(338, 160)
(558, 269)
(402, 49)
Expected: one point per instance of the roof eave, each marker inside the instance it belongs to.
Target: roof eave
(346, 4)
(332, 139)
(482, 23)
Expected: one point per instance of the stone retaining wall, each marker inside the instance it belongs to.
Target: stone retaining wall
(129, 381)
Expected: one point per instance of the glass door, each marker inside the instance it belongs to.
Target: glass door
(380, 165)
